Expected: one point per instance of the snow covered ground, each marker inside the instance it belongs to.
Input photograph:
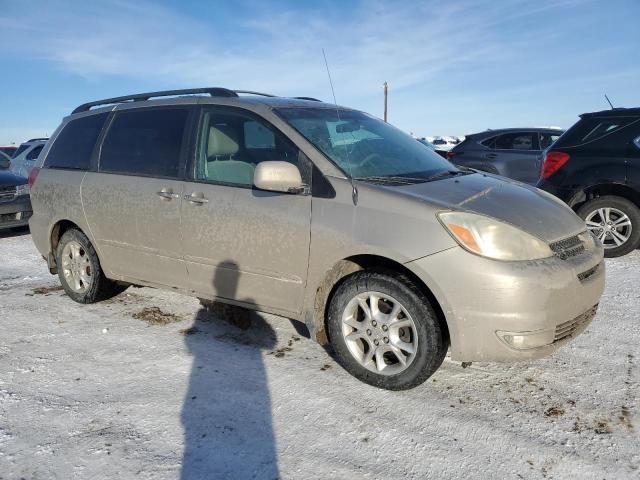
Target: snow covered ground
(93, 392)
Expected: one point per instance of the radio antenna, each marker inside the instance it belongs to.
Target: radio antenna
(354, 190)
(605, 96)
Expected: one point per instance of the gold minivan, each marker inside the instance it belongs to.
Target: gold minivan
(318, 213)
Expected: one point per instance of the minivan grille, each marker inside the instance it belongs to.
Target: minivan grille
(7, 193)
(567, 329)
(567, 248)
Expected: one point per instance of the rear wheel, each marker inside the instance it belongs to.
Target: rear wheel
(616, 223)
(384, 331)
(80, 272)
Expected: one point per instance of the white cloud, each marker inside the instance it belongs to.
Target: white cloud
(404, 43)
(408, 44)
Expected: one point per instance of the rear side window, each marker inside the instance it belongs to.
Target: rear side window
(517, 141)
(33, 154)
(73, 147)
(589, 129)
(145, 142)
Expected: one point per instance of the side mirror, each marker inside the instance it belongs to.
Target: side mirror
(276, 176)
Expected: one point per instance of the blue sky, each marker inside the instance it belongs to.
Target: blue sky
(453, 67)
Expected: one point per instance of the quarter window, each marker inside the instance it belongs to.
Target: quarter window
(33, 154)
(232, 143)
(145, 142)
(489, 142)
(546, 139)
(589, 129)
(74, 145)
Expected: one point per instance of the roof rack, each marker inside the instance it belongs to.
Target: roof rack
(311, 99)
(249, 92)
(213, 91)
(37, 139)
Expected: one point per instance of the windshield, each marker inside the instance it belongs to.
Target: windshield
(363, 146)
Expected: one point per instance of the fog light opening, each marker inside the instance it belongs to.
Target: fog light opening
(526, 340)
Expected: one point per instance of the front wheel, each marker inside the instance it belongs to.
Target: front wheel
(616, 223)
(384, 331)
(80, 272)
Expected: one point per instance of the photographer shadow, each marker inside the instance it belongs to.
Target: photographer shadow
(226, 413)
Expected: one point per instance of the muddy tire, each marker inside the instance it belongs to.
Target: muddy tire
(80, 272)
(384, 330)
(615, 221)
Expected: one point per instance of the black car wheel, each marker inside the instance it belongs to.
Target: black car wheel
(615, 221)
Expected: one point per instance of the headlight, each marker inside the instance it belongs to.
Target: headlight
(493, 239)
(22, 189)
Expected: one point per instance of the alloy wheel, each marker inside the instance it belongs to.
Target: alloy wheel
(76, 267)
(611, 226)
(379, 333)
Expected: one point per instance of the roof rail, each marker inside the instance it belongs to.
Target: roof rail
(37, 140)
(249, 92)
(213, 91)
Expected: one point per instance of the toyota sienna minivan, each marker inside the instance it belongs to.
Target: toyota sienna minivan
(315, 212)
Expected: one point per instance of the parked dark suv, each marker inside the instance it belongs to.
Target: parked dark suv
(595, 168)
(511, 152)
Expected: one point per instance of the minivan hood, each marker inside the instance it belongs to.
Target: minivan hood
(523, 206)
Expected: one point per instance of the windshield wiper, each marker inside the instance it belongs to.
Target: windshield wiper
(391, 179)
(444, 174)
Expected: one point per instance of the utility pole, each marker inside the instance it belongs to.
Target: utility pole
(386, 94)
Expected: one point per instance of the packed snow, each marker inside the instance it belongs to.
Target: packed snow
(150, 385)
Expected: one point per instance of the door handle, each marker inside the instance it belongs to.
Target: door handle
(167, 194)
(491, 156)
(196, 198)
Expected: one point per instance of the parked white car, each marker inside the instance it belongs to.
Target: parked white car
(24, 159)
(444, 143)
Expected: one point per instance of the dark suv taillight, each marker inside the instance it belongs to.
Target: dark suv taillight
(33, 174)
(450, 154)
(553, 161)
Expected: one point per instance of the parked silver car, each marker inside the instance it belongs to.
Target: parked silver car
(26, 156)
(318, 213)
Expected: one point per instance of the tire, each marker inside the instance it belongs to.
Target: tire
(91, 287)
(593, 212)
(416, 326)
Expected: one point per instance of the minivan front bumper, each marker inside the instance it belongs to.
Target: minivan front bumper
(506, 311)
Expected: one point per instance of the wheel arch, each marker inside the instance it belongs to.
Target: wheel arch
(345, 267)
(604, 189)
(58, 229)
